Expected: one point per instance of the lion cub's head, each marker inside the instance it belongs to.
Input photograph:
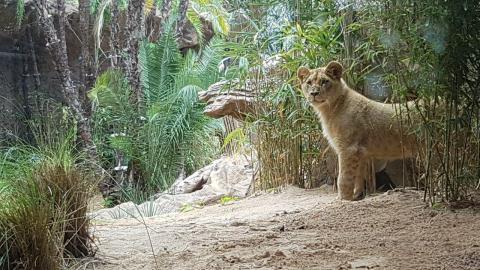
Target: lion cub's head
(322, 85)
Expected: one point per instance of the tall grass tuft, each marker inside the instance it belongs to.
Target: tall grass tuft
(289, 143)
(44, 193)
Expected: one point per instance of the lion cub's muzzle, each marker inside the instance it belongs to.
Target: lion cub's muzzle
(315, 97)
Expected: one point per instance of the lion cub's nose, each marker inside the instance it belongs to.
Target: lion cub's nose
(314, 93)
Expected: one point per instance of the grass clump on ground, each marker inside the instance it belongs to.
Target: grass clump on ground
(44, 193)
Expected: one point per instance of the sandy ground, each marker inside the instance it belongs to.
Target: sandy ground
(297, 229)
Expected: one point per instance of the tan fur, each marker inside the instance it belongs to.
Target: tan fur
(358, 129)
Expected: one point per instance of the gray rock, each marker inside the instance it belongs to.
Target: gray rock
(228, 98)
(227, 176)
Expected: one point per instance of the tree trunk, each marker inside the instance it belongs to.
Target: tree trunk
(56, 45)
(150, 25)
(114, 35)
(86, 72)
(134, 33)
(182, 16)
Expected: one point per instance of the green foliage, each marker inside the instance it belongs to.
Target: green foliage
(160, 63)
(186, 208)
(211, 10)
(237, 136)
(227, 199)
(313, 43)
(113, 93)
(178, 134)
(287, 134)
(108, 202)
(134, 194)
(167, 134)
(418, 45)
(116, 119)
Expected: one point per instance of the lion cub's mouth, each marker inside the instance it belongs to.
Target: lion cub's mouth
(316, 100)
(319, 101)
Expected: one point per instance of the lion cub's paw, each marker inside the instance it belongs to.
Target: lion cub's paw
(359, 196)
(344, 197)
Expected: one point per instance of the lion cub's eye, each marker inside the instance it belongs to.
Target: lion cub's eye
(323, 82)
(309, 82)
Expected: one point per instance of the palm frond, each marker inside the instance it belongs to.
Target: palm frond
(159, 62)
(167, 131)
(201, 68)
(116, 118)
(213, 11)
(207, 66)
(112, 92)
(176, 136)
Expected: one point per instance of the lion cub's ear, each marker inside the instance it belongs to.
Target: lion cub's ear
(334, 70)
(303, 73)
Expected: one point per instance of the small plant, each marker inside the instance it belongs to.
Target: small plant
(187, 207)
(438, 206)
(228, 199)
(109, 202)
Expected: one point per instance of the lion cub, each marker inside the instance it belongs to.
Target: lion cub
(357, 128)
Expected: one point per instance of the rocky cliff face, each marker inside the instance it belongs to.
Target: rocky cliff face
(27, 74)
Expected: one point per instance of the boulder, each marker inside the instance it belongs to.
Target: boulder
(229, 176)
(402, 172)
(232, 176)
(228, 98)
(234, 97)
(190, 39)
(238, 98)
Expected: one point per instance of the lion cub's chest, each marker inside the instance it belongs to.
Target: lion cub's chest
(330, 131)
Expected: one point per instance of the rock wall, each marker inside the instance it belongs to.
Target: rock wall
(28, 79)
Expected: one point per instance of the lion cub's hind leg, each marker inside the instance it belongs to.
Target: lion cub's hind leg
(351, 177)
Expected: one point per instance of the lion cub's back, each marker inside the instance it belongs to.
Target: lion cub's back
(378, 128)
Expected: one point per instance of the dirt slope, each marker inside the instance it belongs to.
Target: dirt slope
(298, 229)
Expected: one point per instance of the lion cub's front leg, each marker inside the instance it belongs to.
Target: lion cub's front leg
(351, 182)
